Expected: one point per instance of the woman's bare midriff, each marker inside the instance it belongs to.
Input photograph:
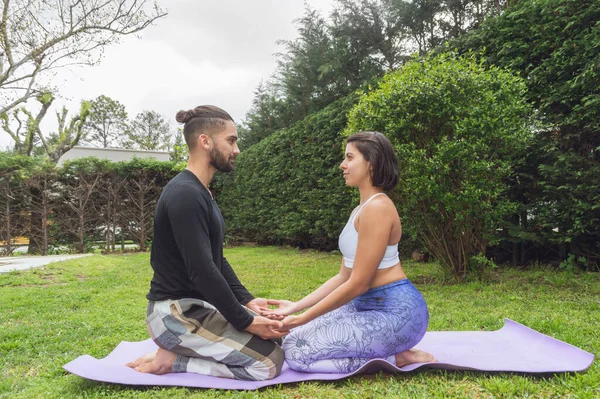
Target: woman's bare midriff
(387, 276)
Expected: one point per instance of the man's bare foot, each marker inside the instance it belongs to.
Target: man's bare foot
(413, 356)
(161, 364)
(147, 358)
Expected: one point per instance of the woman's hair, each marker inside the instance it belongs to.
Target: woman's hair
(202, 119)
(377, 149)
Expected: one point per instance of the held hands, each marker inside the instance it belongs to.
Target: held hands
(268, 324)
(267, 328)
(284, 308)
(261, 307)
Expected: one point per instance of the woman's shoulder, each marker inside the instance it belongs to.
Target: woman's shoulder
(381, 205)
(382, 201)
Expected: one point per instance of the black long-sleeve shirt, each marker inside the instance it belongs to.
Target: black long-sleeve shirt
(187, 251)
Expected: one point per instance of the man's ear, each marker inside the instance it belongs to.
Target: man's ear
(204, 141)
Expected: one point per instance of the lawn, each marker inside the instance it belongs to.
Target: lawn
(52, 315)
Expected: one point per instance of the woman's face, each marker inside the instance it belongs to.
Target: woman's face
(355, 167)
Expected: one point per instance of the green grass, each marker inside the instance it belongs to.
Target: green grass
(52, 315)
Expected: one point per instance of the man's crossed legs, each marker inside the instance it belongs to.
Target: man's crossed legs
(194, 337)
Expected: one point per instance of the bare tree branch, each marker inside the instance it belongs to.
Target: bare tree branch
(29, 92)
(39, 35)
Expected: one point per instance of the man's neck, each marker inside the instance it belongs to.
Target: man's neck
(203, 170)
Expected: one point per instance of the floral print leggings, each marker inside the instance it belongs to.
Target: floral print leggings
(376, 325)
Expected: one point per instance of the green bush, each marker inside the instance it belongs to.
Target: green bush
(555, 46)
(84, 201)
(288, 188)
(457, 129)
(14, 195)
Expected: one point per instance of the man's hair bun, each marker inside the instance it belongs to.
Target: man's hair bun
(184, 116)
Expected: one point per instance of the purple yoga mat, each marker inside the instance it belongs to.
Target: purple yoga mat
(513, 348)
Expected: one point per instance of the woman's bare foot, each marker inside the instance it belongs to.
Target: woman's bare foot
(147, 358)
(413, 356)
(161, 364)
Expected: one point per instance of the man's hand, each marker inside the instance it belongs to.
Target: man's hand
(284, 308)
(258, 305)
(266, 328)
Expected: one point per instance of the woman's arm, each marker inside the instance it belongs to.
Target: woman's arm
(373, 234)
(286, 307)
(324, 290)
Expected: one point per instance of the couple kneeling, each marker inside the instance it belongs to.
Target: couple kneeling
(205, 321)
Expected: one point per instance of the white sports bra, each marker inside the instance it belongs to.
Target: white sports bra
(348, 242)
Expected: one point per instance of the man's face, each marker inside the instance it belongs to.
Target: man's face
(225, 148)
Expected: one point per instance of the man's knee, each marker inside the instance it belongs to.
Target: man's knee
(278, 359)
(264, 366)
(270, 367)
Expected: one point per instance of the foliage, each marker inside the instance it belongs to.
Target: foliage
(149, 131)
(180, 151)
(41, 200)
(28, 132)
(68, 134)
(457, 129)
(429, 23)
(373, 34)
(288, 188)
(102, 121)
(555, 46)
(566, 205)
(360, 41)
(304, 72)
(266, 116)
(145, 181)
(15, 170)
(38, 36)
(84, 201)
(104, 297)
(106, 125)
(78, 209)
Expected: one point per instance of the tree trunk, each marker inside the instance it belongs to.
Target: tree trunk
(562, 248)
(107, 227)
(8, 245)
(81, 233)
(35, 221)
(142, 222)
(45, 214)
(115, 218)
(525, 225)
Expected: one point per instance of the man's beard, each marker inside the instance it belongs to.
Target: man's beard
(220, 162)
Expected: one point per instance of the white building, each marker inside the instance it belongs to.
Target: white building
(112, 154)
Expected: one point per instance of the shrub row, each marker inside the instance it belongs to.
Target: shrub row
(85, 200)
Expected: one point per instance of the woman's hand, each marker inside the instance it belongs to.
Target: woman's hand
(290, 322)
(284, 308)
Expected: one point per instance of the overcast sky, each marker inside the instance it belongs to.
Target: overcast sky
(203, 52)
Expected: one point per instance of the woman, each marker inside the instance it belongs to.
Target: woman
(369, 309)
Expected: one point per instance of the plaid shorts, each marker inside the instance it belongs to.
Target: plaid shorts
(206, 343)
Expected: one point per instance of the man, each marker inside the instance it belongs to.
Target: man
(199, 314)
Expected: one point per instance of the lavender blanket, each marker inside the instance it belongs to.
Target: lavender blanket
(513, 348)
